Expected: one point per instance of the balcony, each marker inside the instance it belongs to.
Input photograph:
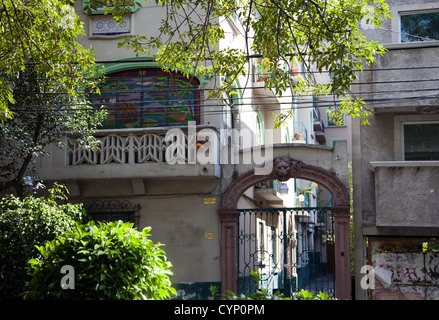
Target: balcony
(406, 193)
(319, 127)
(395, 89)
(137, 153)
(300, 133)
(260, 71)
(271, 192)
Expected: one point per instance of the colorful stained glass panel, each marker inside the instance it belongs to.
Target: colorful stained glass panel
(149, 98)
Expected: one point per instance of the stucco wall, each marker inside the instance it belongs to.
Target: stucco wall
(407, 196)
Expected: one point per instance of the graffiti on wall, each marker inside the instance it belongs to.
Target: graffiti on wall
(413, 265)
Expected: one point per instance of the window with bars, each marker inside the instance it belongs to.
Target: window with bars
(112, 210)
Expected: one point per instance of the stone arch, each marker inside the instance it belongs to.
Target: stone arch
(285, 168)
(291, 169)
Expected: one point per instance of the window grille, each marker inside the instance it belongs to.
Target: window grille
(112, 210)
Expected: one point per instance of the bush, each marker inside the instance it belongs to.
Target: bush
(110, 261)
(23, 225)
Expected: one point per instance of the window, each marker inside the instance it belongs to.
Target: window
(112, 210)
(144, 98)
(419, 26)
(421, 141)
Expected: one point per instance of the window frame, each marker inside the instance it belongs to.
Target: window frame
(414, 12)
(113, 210)
(403, 124)
(395, 23)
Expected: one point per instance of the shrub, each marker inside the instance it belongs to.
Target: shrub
(25, 223)
(110, 261)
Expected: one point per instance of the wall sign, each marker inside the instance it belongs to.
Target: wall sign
(210, 236)
(209, 200)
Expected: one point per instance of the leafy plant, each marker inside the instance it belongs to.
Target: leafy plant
(41, 35)
(25, 224)
(321, 35)
(43, 114)
(110, 261)
(310, 295)
(263, 294)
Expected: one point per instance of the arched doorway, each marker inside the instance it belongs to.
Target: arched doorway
(285, 168)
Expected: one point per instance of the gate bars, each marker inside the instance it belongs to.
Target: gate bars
(290, 248)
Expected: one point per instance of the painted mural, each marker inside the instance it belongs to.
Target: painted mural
(412, 265)
(148, 98)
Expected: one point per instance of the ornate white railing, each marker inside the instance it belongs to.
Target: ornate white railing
(119, 149)
(125, 147)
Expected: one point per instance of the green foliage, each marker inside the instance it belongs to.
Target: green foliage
(45, 77)
(25, 224)
(110, 260)
(310, 295)
(323, 35)
(263, 294)
(42, 116)
(42, 35)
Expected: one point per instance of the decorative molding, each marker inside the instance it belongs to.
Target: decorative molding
(285, 168)
(141, 62)
(106, 27)
(119, 149)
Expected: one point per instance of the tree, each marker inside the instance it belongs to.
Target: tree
(43, 114)
(41, 34)
(44, 79)
(323, 35)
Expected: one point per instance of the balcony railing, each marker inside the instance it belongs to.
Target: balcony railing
(271, 185)
(300, 134)
(260, 70)
(129, 147)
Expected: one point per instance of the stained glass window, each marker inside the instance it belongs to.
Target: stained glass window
(148, 98)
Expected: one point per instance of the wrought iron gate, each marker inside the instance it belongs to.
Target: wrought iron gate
(290, 248)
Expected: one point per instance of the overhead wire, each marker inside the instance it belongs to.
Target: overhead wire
(207, 111)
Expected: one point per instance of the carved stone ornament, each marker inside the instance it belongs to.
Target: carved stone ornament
(285, 168)
(282, 168)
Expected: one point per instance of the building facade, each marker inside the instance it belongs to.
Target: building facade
(396, 160)
(165, 158)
